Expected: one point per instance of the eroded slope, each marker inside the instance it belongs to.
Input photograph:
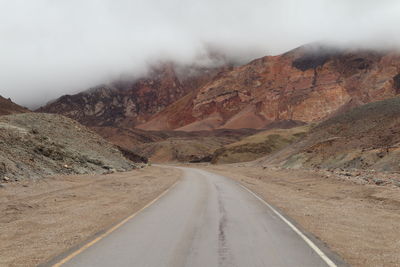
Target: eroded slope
(34, 144)
(367, 137)
(8, 107)
(258, 145)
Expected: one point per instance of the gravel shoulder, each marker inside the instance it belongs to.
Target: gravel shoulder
(42, 218)
(359, 222)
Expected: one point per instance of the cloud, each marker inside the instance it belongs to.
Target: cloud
(54, 47)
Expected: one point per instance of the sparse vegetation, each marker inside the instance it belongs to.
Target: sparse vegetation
(365, 137)
(258, 145)
(179, 146)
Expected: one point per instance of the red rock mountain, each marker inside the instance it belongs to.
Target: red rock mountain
(128, 103)
(8, 107)
(307, 84)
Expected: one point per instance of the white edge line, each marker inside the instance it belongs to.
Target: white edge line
(320, 253)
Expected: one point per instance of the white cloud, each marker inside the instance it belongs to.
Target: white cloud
(53, 47)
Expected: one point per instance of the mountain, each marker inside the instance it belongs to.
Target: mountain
(126, 103)
(8, 107)
(33, 145)
(308, 84)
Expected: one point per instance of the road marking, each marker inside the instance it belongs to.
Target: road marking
(327, 260)
(109, 231)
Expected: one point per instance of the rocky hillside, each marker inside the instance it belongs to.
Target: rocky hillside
(366, 137)
(307, 84)
(34, 144)
(126, 103)
(8, 107)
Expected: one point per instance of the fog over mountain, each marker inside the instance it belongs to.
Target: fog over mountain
(49, 48)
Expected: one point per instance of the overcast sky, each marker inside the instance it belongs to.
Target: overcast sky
(53, 47)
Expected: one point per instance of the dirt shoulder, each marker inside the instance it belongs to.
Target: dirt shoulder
(40, 219)
(359, 222)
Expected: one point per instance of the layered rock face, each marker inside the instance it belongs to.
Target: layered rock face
(128, 103)
(307, 84)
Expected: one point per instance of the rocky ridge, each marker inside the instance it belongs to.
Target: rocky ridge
(129, 102)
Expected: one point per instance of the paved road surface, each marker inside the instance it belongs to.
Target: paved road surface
(205, 220)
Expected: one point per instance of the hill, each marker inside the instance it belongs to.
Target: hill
(8, 107)
(180, 146)
(258, 145)
(366, 137)
(33, 145)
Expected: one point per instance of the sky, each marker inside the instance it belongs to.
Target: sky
(53, 47)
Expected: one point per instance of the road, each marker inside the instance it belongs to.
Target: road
(205, 220)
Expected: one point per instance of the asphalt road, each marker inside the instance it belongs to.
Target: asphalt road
(205, 220)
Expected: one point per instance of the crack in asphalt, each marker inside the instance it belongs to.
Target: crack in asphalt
(224, 255)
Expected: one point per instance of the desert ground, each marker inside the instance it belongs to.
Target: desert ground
(45, 217)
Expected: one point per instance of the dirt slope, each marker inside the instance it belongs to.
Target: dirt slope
(34, 144)
(8, 107)
(366, 137)
(258, 145)
(181, 149)
(181, 146)
(129, 138)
